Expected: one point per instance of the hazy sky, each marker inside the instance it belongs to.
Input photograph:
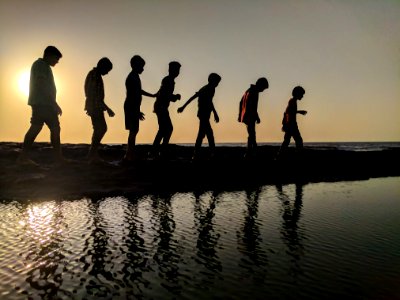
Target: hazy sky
(346, 54)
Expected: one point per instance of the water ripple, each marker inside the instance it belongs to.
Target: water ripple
(285, 242)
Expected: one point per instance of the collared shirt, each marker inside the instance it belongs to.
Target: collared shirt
(94, 92)
(42, 88)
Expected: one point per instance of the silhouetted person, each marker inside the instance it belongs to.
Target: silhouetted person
(248, 113)
(132, 103)
(42, 99)
(95, 105)
(289, 122)
(205, 97)
(164, 96)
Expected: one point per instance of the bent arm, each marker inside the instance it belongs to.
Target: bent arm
(176, 97)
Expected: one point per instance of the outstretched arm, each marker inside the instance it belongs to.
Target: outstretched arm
(144, 93)
(302, 112)
(180, 109)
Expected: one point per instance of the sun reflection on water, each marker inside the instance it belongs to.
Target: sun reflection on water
(40, 219)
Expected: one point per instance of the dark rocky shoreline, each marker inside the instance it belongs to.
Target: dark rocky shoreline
(228, 170)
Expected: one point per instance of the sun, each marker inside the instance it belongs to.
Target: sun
(23, 83)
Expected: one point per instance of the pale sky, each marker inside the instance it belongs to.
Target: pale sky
(346, 54)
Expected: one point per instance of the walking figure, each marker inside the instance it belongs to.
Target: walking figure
(95, 105)
(132, 104)
(45, 110)
(248, 113)
(164, 96)
(289, 122)
(205, 106)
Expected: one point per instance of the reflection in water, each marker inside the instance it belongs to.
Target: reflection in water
(136, 262)
(206, 245)
(207, 239)
(289, 231)
(250, 243)
(44, 228)
(166, 256)
(95, 254)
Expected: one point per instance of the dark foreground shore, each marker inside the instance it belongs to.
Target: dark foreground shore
(228, 170)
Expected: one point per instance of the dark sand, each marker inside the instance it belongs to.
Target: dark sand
(228, 170)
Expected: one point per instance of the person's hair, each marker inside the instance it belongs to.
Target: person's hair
(214, 77)
(174, 64)
(105, 63)
(51, 50)
(137, 60)
(298, 90)
(262, 82)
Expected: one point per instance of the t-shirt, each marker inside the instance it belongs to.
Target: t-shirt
(291, 111)
(165, 94)
(205, 104)
(248, 106)
(133, 86)
(42, 88)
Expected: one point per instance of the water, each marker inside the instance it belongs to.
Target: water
(314, 241)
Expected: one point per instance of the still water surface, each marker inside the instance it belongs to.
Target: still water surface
(314, 241)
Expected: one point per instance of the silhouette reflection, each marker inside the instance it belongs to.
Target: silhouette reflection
(250, 243)
(207, 240)
(136, 263)
(289, 232)
(95, 254)
(44, 226)
(166, 255)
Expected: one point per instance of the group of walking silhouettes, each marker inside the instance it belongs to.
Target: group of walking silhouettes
(45, 110)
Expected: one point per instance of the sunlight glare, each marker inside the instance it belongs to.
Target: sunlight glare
(23, 83)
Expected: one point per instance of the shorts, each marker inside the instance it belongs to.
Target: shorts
(98, 121)
(45, 115)
(131, 118)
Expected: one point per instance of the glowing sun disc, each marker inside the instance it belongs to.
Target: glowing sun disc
(23, 83)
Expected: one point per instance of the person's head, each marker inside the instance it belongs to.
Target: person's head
(104, 66)
(214, 79)
(137, 64)
(52, 55)
(262, 84)
(298, 92)
(174, 68)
